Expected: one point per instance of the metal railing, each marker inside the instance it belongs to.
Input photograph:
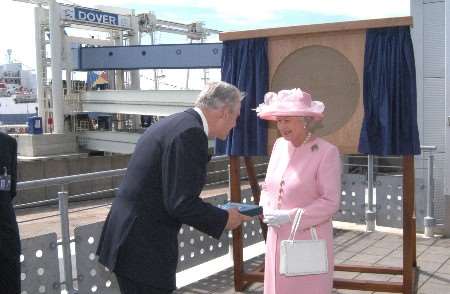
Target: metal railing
(64, 197)
(216, 176)
(63, 201)
(372, 170)
(61, 181)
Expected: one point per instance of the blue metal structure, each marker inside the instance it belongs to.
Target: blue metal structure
(166, 56)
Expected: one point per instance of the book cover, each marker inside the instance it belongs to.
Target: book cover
(244, 208)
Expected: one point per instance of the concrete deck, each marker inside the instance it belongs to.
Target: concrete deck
(354, 246)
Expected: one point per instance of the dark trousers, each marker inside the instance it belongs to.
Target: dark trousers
(9, 250)
(128, 286)
(9, 276)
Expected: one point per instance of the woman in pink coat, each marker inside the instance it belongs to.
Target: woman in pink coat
(304, 172)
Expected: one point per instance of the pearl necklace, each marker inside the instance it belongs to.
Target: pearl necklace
(308, 136)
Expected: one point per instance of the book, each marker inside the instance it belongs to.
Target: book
(244, 208)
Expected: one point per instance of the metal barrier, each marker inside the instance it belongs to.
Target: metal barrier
(63, 199)
(40, 254)
(92, 277)
(389, 208)
(352, 199)
(41, 266)
(217, 174)
(385, 189)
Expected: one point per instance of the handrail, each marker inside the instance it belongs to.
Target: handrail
(57, 181)
(69, 179)
(428, 148)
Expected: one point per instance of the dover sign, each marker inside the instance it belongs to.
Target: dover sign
(95, 17)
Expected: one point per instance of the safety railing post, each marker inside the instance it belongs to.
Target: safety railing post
(65, 238)
(370, 212)
(429, 221)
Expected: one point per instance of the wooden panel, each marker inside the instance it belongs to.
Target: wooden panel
(350, 44)
(253, 277)
(235, 196)
(409, 220)
(369, 269)
(318, 28)
(365, 285)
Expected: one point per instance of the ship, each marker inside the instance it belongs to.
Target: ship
(17, 95)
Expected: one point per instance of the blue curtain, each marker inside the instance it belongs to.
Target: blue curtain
(245, 65)
(390, 107)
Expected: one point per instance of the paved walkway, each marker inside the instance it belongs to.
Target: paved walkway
(353, 246)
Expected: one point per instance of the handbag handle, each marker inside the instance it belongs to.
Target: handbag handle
(296, 224)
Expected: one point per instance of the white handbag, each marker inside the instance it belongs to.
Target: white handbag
(303, 257)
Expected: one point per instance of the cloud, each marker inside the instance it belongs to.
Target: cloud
(17, 20)
(17, 32)
(251, 11)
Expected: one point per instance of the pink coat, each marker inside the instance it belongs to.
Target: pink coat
(312, 176)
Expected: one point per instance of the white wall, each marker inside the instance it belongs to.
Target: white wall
(429, 35)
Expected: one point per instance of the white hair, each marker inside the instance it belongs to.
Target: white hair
(217, 95)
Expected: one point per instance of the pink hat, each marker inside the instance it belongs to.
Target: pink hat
(293, 102)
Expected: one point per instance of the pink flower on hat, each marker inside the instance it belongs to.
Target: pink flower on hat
(294, 102)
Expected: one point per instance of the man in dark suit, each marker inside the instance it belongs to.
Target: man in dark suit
(9, 231)
(160, 192)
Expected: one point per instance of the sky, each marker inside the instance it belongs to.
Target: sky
(17, 20)
(17, 23)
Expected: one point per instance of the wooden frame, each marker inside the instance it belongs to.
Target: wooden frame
(318, 28)
(409, 270)
(345, 42)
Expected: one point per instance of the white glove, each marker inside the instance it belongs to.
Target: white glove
(277, 217)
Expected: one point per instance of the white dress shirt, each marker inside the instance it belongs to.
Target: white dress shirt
(205, 123)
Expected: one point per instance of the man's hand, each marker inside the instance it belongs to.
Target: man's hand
(235, 219)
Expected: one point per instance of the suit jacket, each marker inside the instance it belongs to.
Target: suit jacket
(312, 181)
(9, 231)
(159, 192)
